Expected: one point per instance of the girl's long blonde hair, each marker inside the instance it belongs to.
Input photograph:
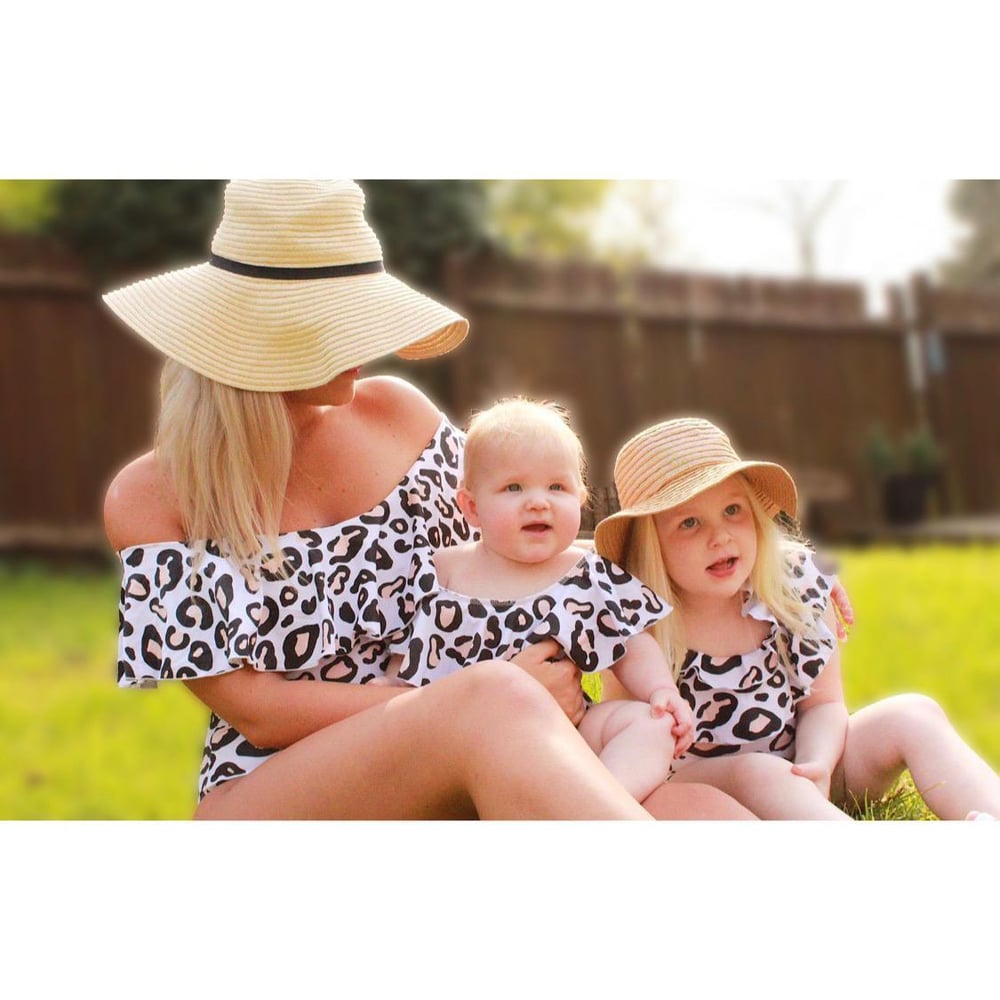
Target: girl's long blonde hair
(228, 454)
(771, 578)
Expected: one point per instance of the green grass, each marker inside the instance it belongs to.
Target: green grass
(78, 747)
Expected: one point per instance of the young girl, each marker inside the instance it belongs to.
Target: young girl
(751, 641)
(525, 581)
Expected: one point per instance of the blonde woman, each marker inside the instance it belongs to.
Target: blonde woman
(752, 641)
(264, 540)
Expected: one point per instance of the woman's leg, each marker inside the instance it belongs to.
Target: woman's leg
(636, 748)
(487, 741)
(912, 731)
(763, 783)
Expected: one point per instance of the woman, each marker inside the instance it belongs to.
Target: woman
(315, 488)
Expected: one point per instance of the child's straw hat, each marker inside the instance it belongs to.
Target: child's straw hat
(294, 293)
(667, 465)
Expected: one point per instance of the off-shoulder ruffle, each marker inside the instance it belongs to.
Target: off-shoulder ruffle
(345, 592)
(808, 654)
(591, 612)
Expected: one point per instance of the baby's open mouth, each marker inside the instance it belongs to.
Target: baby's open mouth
(538, 527)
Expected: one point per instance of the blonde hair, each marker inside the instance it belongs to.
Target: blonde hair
(516, 420)
(228, 454)
(771, 578)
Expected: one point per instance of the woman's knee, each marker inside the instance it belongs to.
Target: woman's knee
(496, 691)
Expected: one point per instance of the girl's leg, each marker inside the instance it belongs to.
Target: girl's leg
(763, 783)
(686, 800)
(487, 741)
(636, 748)
(912, 731)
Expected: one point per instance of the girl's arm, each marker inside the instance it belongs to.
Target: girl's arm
(644, 673)
(821, 721)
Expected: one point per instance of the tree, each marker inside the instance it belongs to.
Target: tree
(122, 228)
(803, 207)
(125, 227)
(977, 261)
(26, 206)
(544, 218)
(420, 222)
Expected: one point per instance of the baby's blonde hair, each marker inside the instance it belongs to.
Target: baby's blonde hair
(228, 454)
(771, 578)
(516, 420)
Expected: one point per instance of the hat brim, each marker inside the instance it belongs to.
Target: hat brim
(277, 336)
(770, 483)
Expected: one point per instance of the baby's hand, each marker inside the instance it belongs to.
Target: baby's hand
(389, 682)
(816, 773)
(664, 701)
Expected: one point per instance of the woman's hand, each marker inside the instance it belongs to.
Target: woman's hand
(557, 673)
(843, 609)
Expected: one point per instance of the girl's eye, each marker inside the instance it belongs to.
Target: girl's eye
(688, 523)
(513, 487)
(557, 486)
(733, 509)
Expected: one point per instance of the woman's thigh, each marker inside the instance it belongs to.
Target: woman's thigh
(413, 757)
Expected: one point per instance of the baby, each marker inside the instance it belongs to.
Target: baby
(525, 580)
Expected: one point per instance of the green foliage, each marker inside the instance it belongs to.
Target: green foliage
(126, 228)
(977, 261)
(420, 222)
(548, 218)
(917, 452)
(78, 747)
(26, 206)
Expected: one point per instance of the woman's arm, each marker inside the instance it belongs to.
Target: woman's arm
(821, 722)
(273, 713)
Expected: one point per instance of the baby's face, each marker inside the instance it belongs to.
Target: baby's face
(526, 499)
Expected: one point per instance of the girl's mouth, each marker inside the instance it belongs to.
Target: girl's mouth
(537, 528)
(723, 567)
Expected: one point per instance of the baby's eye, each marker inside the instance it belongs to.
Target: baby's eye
(557, 486)
(513, 488)
(733, 509)
(688, 523)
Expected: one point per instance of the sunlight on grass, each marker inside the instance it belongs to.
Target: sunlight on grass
(78, 747)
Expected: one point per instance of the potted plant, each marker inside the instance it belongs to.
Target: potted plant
(907, 472)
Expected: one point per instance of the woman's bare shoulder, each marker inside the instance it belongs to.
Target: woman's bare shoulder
(139, 507)
(397, 402)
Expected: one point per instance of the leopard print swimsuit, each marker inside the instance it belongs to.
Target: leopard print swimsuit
(591, 612)
(746, 703)
(329, 620)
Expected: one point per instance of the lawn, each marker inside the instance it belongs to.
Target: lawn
(77, 747)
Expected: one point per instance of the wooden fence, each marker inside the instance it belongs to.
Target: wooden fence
(796, 371)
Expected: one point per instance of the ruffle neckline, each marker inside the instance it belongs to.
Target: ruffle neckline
(345, 592)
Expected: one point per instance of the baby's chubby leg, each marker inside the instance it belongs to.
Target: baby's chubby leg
(636, 748)
(762, 782)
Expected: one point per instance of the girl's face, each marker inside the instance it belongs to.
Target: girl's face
(709, 544)
(525, 499)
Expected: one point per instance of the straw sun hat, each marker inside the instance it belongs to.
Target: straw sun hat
(669, 464)
(294, 293)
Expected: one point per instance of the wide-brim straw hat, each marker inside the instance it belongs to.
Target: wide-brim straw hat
(294, 294)
(671, 463)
